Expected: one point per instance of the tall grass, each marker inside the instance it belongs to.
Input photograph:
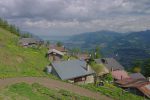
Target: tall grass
(18, 61)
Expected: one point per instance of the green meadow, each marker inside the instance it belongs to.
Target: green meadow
(17, 61)
(23, 91)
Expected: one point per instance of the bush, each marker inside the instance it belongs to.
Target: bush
(108, 77)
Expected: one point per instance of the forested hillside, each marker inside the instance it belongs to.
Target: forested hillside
(127, 47)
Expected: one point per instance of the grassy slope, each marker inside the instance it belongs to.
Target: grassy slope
(23, 91)
(113, 92)
(18, 61)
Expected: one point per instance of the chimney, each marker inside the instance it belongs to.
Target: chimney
(121, 77)
(87, 67)
(104, 61)
(112, 69)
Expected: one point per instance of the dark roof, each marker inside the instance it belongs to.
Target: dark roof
(145, 88)
(137, 76)
(29, 40)
(110, 63)
(135, 83)
(141, 84)
(71, 69)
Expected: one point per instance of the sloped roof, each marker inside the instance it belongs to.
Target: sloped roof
(55, 51)
(145, 88)
(71, 69)
(141, 84)
(125, 81)
(120, 74)
(137, 76)
(61, 48)
(110, 63)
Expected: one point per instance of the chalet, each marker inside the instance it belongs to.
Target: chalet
(114, 67)
(135, 83)
(137, 76)
(29, 42)
(75, 71)
(137, 86)
(54, 55)
(58, 48)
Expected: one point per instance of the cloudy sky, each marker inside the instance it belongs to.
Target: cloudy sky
(67, 17)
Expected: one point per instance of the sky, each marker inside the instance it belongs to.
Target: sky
(69, 17)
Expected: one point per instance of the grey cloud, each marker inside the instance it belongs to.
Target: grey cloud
(71, 9)
(76, 16)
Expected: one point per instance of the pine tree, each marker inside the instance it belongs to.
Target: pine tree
(146, 68)
(12, 28)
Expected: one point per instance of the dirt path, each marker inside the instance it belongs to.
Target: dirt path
(50, 83)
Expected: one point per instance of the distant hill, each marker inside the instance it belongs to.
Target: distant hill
(91, 39)
(128, 47)
(131, 47)
(134, 40)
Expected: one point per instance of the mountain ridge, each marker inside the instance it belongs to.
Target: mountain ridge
(114, 43)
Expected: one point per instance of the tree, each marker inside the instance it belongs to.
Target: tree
(12, 28)
(136, 69)
(146, 68)
(108, 77)
(98, 68)
(75, 51)
(137, 66)
(47, 43)
(26, 35)
(97, 52)
(59, 44)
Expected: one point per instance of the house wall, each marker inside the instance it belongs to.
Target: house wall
(57, 57)
(54, 72)
(88, 79)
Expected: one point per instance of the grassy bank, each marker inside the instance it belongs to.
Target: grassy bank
(17, 61)
(23, 91)
(113, 92)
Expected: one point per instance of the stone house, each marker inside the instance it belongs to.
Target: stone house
(74, 71)
(54, 55)
(61, 48)
(29, 42)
